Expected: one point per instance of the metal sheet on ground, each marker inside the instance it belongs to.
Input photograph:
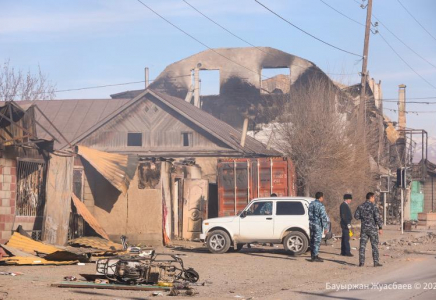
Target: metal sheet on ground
(92, 285)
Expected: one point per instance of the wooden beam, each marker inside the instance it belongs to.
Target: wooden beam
(25, 112)
(15, 124)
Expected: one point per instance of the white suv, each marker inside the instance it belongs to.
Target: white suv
(264, 220)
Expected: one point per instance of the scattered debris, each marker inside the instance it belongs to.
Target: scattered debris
(111, 286)
(70, 278)
(96, 243)
(11, 273)
(151, 269)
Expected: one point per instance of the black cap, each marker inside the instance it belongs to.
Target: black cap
(348, 197)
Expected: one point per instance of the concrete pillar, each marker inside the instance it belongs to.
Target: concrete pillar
(244, 132)
(402, 109)
(197, 86)
(147, 78)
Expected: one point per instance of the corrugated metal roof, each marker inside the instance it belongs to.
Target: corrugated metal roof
(204, 120)
(96, 243)
(71, 117)
(28, 245)
(89, 218)
(118, 169)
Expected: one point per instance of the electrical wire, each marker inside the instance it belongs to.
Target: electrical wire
(101, 86)
(197, 40)
(416, 20)
(381, 23)
(305, 32)
(392, 48)
(250, 44)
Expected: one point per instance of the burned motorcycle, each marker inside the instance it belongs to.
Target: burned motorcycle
(148, 269)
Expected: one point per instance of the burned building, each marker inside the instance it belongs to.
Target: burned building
(146, 167)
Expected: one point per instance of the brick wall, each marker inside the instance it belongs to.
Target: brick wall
(8, 183)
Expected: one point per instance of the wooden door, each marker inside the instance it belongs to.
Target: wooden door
(195, 193)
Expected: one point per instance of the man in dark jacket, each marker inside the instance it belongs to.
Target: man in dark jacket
(370, 229)
(346, 217)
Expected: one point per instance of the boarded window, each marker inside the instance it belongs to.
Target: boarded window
(149, 175)
(134, 139)
(209, 82)
(187, 139)
(289, 208)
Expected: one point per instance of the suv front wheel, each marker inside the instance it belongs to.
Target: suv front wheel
(218, 241)
(296, 243)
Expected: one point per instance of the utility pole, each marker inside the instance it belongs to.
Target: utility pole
(362, 107)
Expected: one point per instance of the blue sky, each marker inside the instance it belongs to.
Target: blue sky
(86, 43)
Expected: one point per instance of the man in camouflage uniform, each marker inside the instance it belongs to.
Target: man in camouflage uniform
(371, 227)
(317, 224)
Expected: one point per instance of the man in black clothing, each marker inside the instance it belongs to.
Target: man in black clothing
(346, 218)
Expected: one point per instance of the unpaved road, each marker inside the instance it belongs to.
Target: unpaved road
(415, 280)
(257, 273)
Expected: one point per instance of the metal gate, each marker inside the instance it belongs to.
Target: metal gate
(31, 176)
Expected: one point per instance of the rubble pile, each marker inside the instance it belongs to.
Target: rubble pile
(399, 244)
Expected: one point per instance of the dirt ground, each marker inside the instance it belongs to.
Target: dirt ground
(262, 272)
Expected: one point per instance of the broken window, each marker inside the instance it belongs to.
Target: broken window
(30, 188)
(209, 82)
(149, 175)
(134, 139)
(78, 183)
(275, 80)
(187, 139)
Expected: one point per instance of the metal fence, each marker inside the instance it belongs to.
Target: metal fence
(30, 188)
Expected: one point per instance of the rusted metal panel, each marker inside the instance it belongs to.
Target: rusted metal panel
(58, 199)
(96, 243)
(28, 245)
(89, 218)
(241, 180)
(118, 169)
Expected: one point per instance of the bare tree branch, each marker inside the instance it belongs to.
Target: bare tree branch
(16, 85)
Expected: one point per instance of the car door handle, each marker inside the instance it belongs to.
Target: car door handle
(269, 218)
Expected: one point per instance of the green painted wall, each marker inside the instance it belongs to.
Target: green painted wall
(416, 200)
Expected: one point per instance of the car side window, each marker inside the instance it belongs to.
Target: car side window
(290, 208)
(260, 209)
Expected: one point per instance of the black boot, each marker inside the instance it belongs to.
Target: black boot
(318, 259)
(361, 264)
(377, 264)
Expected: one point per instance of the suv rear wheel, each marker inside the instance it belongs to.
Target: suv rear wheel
(218, 241)
(296, 243)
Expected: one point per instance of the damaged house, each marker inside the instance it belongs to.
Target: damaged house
(243, 89)
(147, 167)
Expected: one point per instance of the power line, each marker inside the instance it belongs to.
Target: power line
(381, 23)
(416, 20)
(195, 39)
(101, 86)
(408, 102)
(248, 43)
(406, 62)
(351, 19)
(413, 112)
(402, 42)
(305, 32)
